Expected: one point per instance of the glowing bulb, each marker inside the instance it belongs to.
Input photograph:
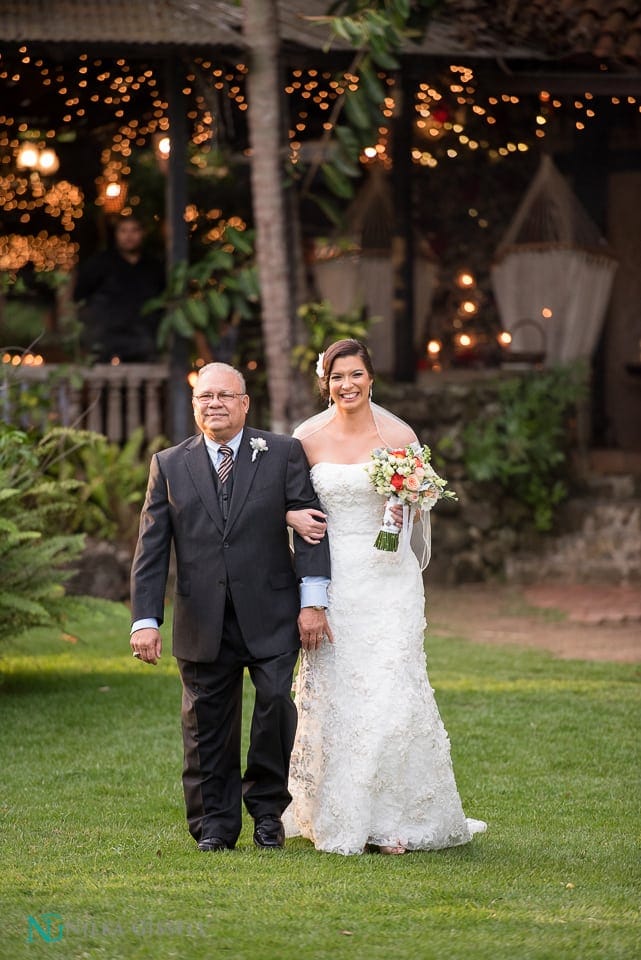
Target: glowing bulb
(504, 338)
(27, 157)
(469, 307)
(434, 348)
(546, 312)
(464, 279)
(48, 161)
(464, 340)
(164, 147)
(112, 190)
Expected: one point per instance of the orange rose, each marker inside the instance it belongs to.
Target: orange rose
(397, 481)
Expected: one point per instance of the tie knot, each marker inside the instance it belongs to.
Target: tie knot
(225, 450)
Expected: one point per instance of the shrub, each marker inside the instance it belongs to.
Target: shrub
(111, 480)
(36, 555)
(523, 446)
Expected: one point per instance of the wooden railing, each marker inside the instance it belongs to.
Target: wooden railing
(111, 399)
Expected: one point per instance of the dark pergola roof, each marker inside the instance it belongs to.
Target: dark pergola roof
(538, 29)
(135, 22)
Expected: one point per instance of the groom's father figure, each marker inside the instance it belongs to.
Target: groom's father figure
(221, 497)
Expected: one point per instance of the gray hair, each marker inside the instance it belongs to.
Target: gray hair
(224, 368)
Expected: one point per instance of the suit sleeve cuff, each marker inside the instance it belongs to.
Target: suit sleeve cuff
(313, 591)
(143, 624)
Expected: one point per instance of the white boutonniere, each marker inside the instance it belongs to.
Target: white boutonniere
(258, 445)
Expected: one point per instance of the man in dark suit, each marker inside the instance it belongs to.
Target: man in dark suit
(115, 286)
(221, 498)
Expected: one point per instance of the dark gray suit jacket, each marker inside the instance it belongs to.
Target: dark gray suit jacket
(249, 556)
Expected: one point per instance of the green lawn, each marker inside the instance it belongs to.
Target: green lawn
(93, 829)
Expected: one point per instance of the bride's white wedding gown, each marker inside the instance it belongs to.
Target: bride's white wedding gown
(371, 762)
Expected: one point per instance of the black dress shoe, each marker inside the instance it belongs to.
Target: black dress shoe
(212, 844)
(269, 832)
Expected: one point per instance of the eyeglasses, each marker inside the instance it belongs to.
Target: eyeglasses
(225, 396)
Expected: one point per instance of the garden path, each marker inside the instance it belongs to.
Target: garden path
(572, 621)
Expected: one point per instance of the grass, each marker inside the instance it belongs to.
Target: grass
(93, 826)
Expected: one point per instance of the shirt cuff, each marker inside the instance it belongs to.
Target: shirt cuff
(313, 591)
(144, 624)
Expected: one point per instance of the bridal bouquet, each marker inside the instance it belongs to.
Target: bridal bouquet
(404, 476)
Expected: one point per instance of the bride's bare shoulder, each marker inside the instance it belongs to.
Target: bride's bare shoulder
(312, 446)
(399, 435)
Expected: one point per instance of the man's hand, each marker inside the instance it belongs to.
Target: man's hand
(313, 628)
(309, 524)
(146, 644)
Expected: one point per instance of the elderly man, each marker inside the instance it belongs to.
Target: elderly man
(221, 498)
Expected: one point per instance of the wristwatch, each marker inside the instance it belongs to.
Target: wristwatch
(315, 606)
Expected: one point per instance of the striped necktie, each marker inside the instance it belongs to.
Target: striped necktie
(226, 464)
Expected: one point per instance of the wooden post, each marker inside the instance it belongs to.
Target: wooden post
(180, 412)
(403, 235)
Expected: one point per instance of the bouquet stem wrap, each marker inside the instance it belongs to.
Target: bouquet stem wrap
(389, 534)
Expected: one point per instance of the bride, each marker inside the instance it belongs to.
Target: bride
(371, 763)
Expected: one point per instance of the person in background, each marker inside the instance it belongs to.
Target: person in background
(114, 286)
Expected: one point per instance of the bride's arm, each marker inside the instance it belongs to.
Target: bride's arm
(308, 523)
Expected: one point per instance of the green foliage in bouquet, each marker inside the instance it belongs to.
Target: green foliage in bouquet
(523, 446)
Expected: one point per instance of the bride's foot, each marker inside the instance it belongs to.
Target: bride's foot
(385, 850)
(392, 851)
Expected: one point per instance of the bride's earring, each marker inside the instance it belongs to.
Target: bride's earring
(329, 403)
(370, 391)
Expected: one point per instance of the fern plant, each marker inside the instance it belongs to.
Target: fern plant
(36, 555)
(111, 480)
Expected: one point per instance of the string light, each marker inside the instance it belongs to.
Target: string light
(443, 115)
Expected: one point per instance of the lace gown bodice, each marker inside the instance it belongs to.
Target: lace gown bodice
(371, 762)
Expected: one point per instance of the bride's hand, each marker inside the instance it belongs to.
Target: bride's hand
(397, 512)
(309, 524)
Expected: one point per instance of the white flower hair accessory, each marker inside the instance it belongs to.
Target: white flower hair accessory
(320, 369)
(258, 445)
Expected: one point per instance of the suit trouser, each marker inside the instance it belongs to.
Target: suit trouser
(211, 721)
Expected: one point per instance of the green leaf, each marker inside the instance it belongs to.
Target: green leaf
(348, 140)
(180, 324)
(344, 164)
(240, 240)
(356, 109)
(178, 279)
(196, 312)
(331, 211)
(218, 259)
(218, 304)
(336, 182)
(381, 55)
(371, 83)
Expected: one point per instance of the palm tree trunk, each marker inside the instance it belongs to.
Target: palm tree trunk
(265, 138)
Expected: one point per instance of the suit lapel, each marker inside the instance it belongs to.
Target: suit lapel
(244, 473)
(199, 467)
